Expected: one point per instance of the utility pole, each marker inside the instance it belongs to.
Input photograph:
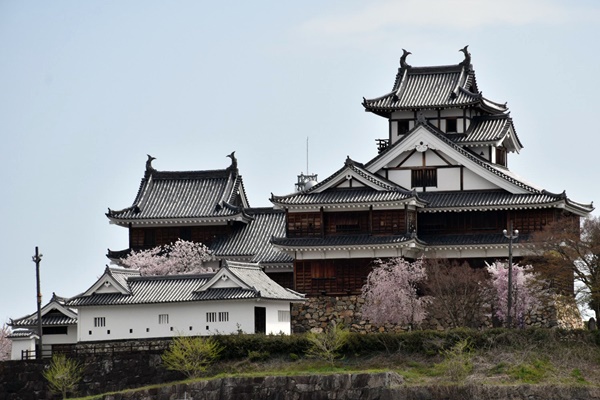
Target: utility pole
(510, 235)
(37, 258)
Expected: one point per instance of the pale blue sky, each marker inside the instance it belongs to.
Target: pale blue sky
(88, 88)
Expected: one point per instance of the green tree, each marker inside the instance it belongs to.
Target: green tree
(63, 374)
(191, 355)
(327, 344)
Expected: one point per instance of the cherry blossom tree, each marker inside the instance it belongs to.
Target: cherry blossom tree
(5, 343)
(181, 257)
(391, 292)
(526, 290)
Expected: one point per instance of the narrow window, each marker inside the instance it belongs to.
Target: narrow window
(223, 316)
(424, 177)
(283, 316)
(131, 331)
(99, 321)
(403, 126)
(163, 319)
(211, 317)
(451, 125)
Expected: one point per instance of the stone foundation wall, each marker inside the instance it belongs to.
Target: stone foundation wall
(318, 312)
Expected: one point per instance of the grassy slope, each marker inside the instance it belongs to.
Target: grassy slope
(497, 357)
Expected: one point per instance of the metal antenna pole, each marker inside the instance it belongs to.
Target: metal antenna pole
(37, 258)
(307, 156)
(510, 235)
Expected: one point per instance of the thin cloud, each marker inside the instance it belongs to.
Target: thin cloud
(453, 14)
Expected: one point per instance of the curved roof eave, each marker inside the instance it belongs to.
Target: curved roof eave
(240, 216)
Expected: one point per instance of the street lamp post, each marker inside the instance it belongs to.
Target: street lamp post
(510, 235)
(37, 258)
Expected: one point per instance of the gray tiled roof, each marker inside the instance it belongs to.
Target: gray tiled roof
(489, 200)
(181, 195)
(187, 288)
(432, 87)
(486, 130)
(53, 313)
(345, 196)
(21, 333)
(46, 320)
(341, 241)
(256, 278)
(252, 240)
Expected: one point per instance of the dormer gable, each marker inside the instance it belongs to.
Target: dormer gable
(113, 280)
(225, 278)
(56, 308)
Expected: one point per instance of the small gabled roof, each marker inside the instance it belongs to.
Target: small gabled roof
(373, 189)
(448, 86)
(249, 276)
(490, 130)
(23, 334)
(113, 280)
(209, 196)
(55, 312)
(250, 282)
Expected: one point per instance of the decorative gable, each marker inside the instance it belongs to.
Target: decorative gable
(114, 280)
(224, 278)
(428, 161)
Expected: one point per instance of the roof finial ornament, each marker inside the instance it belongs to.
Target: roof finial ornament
(233, 165)
(149, 167)
(467, 61)
(403, 63)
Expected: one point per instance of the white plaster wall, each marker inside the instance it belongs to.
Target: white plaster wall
(403, 115)
(451, 112)
(69, 337)
(400, 177)
(274, 326)
(447, 179)
(415, 160)
(483, 149)
(433, 160)
(19, 345)
(472, 181)
(184, 319)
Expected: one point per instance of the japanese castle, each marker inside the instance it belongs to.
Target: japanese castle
(439, 185)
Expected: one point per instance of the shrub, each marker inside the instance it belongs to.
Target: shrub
(457, 363)
(258, 355)
(63, 374)
(328, 344)
(191, 355)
